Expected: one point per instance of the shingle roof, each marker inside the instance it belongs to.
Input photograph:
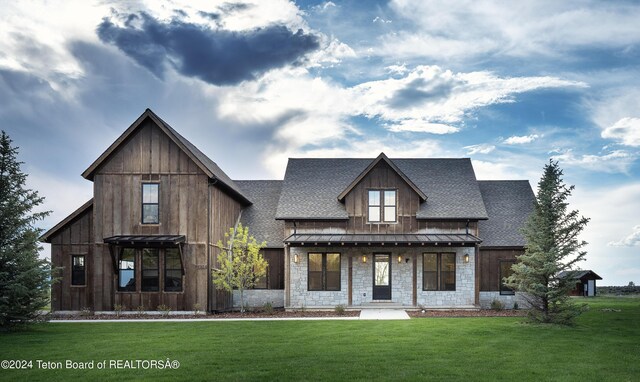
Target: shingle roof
(207, 165)
(260, 217)
(311, 187)
(508, 203)
(579, 274)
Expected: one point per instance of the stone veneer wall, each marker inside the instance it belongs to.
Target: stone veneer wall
(401, 278)
(487, 297)
(256, 298)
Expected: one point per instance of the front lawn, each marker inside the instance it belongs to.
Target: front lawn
(604, 346)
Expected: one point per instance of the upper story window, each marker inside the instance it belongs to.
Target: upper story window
(150, 204)
(382, 206)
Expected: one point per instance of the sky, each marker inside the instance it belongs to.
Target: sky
(252, 83)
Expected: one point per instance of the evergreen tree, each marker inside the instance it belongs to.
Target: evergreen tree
(241, 263)
(552, 247)
(25, 279)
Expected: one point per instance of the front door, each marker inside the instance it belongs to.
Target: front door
(381, 276)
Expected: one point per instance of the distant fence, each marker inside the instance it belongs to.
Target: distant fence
(618, 290)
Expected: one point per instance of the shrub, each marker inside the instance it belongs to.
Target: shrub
(497, 305)
(515, 306)
(141, 309)
(164, 309)
(197, 308)
(340, 310)
(267, 308)
(118, 308)
(86, 311)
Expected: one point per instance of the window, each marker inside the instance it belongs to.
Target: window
(150, 272)
(324, 271)
(78, 270)
(382, 206)
(439, 271)
(150, 209)
(172, 270)
(505, 271)
(127, 270)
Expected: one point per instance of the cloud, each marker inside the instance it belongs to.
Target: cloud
(443, 30)
(617, 161)
(484, 148)
(519, 140)
(420, 126)
(632, 240)
(216, 56)
(625, 131)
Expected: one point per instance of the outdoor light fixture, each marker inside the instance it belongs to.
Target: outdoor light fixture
(399, 259)
(364, 258)
(295, 258)
(466, 258)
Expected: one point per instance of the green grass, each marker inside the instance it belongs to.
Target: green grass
(604, 346)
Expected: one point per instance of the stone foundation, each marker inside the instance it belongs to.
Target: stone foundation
(508, 300)
(256, 298)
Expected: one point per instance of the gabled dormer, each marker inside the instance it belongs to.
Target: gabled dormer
(382, 194)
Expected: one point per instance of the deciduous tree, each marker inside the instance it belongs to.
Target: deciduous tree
(241, 263)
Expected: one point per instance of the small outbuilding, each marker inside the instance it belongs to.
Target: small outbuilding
(585, 282)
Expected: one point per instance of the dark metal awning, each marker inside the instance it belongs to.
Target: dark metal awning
(146, 240)
(381, 239)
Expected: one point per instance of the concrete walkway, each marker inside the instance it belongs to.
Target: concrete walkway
(365, 314)
(383, 314)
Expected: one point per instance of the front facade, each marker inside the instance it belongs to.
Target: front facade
(352, 232)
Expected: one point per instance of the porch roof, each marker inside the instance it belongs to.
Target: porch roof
(381, 239)
(146, 240)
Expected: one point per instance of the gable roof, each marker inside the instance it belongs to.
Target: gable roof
(381, 158)
(509, 204)
(208, 166)
(579, 274)
(311, 185)
(46, 237)
(260, 217)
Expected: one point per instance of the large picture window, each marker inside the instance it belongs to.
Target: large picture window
(78, 274)
(172, 270)
(150, 270)
(439, 271)
(382, 206)
(324, 271)
(150, 203)
(505, 271)
(127, 270)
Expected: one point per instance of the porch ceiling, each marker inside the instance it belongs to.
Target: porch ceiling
(146, 240)
(297, 240)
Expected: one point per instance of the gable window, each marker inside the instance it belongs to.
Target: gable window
(505, 271)
(127, 270)
(150, 203)
(150, 272)
(172, 270)
(78, 275)
(382, 206)
(439, 271)
(324, 271)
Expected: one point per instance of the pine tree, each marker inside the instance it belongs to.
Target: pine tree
(25, 279)
(241, 263)
(552, 247)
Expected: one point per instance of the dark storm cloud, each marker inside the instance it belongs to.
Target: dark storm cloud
(421, 90)
(218, 57)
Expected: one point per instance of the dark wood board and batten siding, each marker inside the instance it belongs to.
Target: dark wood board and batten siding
(150, 156)
(490, 266)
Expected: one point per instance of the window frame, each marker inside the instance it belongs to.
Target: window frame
(509, 291)
(145, 252)
(134, 288)
(325, 272)
(439, 271)
(165, 278)
(74, 271)
(143, 203)
(382, 206)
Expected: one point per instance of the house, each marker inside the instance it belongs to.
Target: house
(353, 232)
(585, 282)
